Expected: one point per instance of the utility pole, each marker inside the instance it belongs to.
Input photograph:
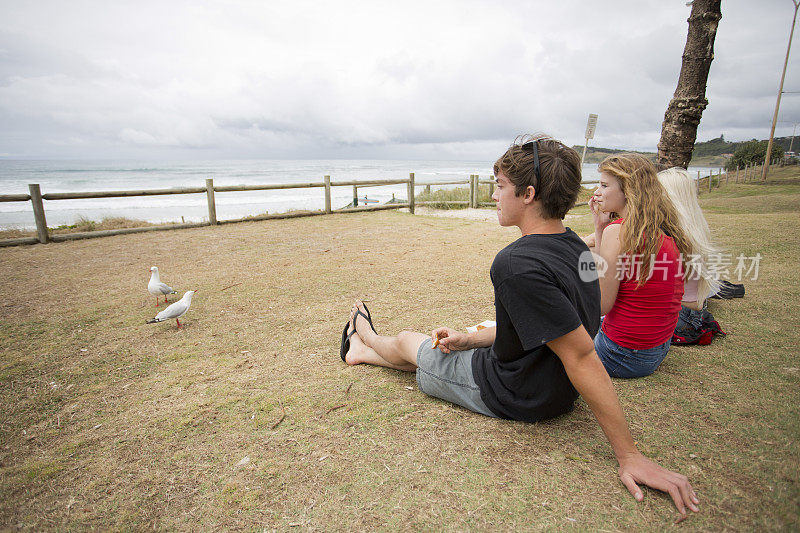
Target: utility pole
(768, 155)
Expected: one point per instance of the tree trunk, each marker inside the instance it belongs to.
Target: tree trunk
(679, 131)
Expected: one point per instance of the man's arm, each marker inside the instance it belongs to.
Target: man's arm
(590, 379)
(451, 340)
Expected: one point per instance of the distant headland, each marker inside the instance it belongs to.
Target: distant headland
(711, 153)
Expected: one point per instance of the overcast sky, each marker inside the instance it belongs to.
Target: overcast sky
(371, 79)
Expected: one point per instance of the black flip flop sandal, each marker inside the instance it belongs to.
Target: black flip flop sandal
(344, 347)
(368, 317)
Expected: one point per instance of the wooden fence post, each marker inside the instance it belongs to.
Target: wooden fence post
(737, 173)
(328, 194)
(710, 173)
(472, 186)
(491, 189)
(471, 190)
(355, 195)
(212, 207)
(38, 212)
(411, 192)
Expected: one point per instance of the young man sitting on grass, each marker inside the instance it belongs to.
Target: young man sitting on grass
(540, 356)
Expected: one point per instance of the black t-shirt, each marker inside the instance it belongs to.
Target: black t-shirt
(539, 296)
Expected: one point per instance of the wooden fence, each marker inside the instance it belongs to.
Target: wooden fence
(36, 198)
(746, 174)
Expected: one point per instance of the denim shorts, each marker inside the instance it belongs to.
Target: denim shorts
(448, 376)
(621, 362)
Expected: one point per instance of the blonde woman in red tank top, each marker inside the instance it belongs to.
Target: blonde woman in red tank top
(644, 253)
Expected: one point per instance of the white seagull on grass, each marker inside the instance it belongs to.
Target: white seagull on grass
(176, 310)
(157, 288)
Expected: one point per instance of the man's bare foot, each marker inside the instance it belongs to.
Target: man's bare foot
(359, 321)
(360, 353)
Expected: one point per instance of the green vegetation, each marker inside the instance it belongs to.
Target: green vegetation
(81, 224)
(712, 153)
(442, 198)
(752, 153)
(597, 154)
(107, 223)
(718, 146)
(717, 152)
(445, 198)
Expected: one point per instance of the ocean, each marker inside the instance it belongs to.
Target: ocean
(79, 176)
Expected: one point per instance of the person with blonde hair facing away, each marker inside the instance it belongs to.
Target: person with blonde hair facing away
(642, 252)
(700, 280)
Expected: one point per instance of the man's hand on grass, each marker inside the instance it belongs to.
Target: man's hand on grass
(637, 469)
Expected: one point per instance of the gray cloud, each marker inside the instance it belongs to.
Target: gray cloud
(349, 79)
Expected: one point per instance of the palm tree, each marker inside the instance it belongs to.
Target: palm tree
(679, 131)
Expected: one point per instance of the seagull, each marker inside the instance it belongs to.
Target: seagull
(176, 310)
(156, 288)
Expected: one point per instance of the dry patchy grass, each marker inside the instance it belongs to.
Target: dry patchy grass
(111, 423)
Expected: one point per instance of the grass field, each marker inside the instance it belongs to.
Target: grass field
(248, 419)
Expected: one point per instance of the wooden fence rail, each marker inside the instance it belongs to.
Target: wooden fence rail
(43, 236)
(15, 197)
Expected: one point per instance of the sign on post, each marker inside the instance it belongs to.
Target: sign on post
(590, 127)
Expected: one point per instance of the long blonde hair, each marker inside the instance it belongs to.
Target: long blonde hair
(682, 191)
(650, 212)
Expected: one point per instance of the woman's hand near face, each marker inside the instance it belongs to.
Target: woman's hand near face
(601, 219)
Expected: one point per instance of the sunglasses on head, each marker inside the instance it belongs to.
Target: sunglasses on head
(534, 147)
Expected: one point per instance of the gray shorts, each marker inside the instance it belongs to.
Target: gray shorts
(449, 377)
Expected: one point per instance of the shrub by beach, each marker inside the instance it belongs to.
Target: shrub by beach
(80, 225)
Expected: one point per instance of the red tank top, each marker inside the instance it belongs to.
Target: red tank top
(645, 317)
